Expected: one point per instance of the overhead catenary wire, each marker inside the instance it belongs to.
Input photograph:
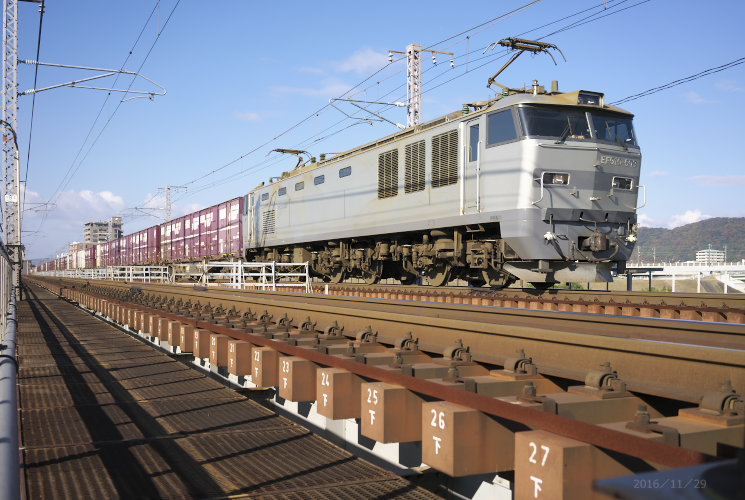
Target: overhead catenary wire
(33, 107)
(326, 106)
(681, 81)
(64, 184)
(489, 58)
(103, 105)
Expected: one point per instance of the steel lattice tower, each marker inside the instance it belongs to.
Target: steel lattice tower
(414, 84)
(11, 162)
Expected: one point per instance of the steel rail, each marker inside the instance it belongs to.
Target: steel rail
(709, 334)
(731, 300)
(512, 416)
(664, 362)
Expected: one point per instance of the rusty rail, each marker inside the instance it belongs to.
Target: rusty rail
(655, 452)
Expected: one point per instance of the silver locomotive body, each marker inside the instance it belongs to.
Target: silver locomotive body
(535, 186)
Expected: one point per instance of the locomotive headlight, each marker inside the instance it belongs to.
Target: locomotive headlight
(590, 98)
(555, 178)
(626, 183)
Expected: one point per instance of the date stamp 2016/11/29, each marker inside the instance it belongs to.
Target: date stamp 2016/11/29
(672, 484)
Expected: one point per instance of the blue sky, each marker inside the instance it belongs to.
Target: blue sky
(240, 74)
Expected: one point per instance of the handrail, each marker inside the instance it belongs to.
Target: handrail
(10, 487)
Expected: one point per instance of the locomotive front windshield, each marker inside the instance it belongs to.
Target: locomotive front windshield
(563, 123)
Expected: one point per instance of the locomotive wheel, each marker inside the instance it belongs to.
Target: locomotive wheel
(374, 274)
(338, 276)
(439, 274)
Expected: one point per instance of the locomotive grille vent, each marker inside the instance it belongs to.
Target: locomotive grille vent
(414, 163)
(388, 174)
(445, 159)
(267, 222)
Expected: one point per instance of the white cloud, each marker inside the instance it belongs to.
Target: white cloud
(689, 217)
(645, 220)
(363, 61)
(658, 173)
(87, 205)
(330, 88)
(248, 116)
(64, 222)
(729, 86)
(719, 180)
(696, 98)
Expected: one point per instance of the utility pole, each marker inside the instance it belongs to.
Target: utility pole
(168, 189)
(414, 79)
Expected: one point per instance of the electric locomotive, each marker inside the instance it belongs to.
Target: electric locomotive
(536, 184)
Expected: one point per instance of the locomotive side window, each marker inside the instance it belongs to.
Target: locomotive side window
(300, 185)
(346, 171)
(613, 128)
(445, 159)
(500, 127)
(388, 174)
(319, 180)
(555, 178)
(282, 191)
(473, 143)
(555, 122)
(264, 196)
(414, 167)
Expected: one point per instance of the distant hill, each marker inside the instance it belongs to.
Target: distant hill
(682, 243)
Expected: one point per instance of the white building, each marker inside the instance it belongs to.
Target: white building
(710, 257)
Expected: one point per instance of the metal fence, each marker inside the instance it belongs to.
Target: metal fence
(9, 464)
(233, 274)
(243, 275)
(144, 274)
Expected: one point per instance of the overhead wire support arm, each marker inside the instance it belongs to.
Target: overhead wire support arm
(106, 73)
(379, 117)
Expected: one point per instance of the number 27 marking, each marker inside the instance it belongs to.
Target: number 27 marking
(533, 454)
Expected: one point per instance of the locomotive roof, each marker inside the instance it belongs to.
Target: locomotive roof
(503, 101)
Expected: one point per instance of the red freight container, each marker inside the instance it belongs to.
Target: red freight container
(145, 246)
(190, 230)
(123, 251)
(223, 242)
(115, 252)
(152, 245)
(134, 251)
(165, 241)
(177, 239)
(230, 224)
(90, 257)
(202, 251)
(211, 224)
(194, 252)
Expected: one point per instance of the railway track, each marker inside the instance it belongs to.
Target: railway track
(728, 308)
(474, 360)
(656, 356)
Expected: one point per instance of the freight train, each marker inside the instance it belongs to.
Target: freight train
(536, 184)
